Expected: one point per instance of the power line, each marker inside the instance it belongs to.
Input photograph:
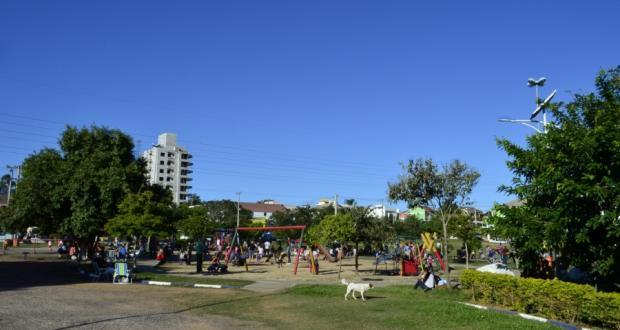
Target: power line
(347, 172)
(283, 156)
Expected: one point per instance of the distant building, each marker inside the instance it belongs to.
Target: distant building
(325, 202)
(420, 213)
(476, 215)
(168, 165)
(263, 209)
(381, 211)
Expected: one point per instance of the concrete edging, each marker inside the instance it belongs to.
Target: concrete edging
(527, 316)
(187, 285)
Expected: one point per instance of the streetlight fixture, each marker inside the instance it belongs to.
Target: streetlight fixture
(540, 107)
(525, 122)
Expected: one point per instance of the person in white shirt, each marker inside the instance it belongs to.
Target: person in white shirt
(260, 253)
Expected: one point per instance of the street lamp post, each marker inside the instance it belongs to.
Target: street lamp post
(540, 107)
(525, 122)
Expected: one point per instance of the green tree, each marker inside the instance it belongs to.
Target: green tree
(4, 183)
(462, 227)
(333, 228)
(412, 227)
(368, 229)
(446, 190)
(101, 169)
(196, 223)
(142, 214)
(7, 220)
(224, 213)
(41, 199)
(569, 179)
(77, 189)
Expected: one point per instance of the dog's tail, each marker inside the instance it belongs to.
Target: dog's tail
(343, 281)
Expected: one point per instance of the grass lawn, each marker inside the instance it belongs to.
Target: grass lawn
(397, 307)
(206, 279)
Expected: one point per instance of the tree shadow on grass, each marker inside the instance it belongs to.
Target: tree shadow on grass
(15, 275)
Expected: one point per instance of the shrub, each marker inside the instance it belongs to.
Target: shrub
(554, 299)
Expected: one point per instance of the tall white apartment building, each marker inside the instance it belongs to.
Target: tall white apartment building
(168, 165)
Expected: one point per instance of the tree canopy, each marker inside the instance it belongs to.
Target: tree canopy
(333, 228)
(446, 190)
(75, 190)
(142, 214)
(569, 180)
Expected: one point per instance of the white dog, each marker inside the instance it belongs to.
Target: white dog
(352, 288)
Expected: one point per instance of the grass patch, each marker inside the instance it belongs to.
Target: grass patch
(399, 307)
(151, 276)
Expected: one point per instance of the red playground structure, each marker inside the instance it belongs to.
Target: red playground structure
(235, 240)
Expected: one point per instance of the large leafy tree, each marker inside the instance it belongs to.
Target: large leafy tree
(196, 224)
(142, 214)
(569, 179)
(101, 168)
(301, 215)
(41, 199)
(224, 213)
(446, 190)
(368, 229)
(77, 189)
(332, 228)
(4, 183)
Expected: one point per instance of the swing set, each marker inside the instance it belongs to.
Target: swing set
(236, 240)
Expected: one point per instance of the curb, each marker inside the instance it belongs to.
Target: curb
(188, 285)
(562, 325)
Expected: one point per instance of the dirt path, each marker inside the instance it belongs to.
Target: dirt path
(51, 294)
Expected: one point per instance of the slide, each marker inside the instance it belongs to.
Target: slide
(327, 255)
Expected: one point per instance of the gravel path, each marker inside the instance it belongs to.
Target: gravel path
(44, 293)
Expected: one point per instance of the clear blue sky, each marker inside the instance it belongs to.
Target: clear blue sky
(297, 100)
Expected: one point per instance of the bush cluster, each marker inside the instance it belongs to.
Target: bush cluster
(554, 299)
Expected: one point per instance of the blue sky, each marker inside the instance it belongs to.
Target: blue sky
(298, 100)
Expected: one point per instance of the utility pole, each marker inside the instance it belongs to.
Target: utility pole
(336, 205)
(11, 169)
(238, 208)
(8, 197)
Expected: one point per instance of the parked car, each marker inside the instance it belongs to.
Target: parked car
(497, 268)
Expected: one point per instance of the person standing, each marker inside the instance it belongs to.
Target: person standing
(199, 247)
(288, 250)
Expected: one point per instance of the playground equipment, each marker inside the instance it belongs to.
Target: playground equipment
(429, 245)
(329, 256)
(235, 240)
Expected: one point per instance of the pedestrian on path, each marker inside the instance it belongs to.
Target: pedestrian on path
(199, 247)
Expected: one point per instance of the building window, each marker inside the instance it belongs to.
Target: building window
(162, 154)
(161, 170)
(161, 162)
(161, 178)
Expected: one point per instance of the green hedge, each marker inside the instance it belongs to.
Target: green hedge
(554, 299)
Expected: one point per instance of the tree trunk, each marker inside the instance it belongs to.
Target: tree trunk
(445, 247)
(466, 256)
(357, 253)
